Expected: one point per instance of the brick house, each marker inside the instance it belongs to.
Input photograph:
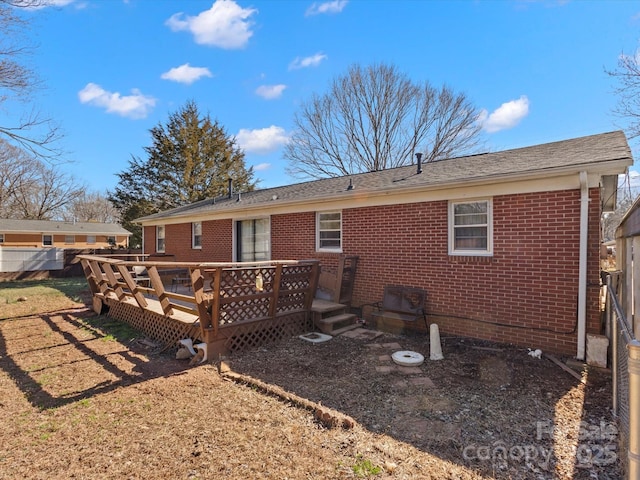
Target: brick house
(45, 233)
(506, 244)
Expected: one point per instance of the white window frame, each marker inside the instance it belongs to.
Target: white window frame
(319, 220)
(160, 228)
(488, 251)
(45, 244)
(91, 239)
(196, 238)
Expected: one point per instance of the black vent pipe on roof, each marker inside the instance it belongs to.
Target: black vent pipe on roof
(419, 157)
(230, 188)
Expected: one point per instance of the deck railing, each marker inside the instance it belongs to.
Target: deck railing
(221, 297)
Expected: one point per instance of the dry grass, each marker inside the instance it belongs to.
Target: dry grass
(83, 397)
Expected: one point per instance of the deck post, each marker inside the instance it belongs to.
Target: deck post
(275, 294)
(206, 322)
(313, 285)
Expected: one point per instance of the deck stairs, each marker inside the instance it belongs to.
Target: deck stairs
(332, 318)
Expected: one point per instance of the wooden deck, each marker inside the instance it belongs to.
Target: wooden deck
(227, 306)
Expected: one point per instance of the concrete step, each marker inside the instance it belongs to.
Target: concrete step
(339, 331)
(323, 307)
(331, 324)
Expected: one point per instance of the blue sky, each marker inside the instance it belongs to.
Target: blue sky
(113, 69)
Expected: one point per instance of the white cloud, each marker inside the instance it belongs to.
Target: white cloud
(261, 141)
(269, 92)
(224, 25)
(186, 74)
(312, 61)
(261, 167)
(506, 116)
(335, 6)
(135, 105)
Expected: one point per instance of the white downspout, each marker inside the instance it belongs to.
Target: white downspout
(582, 269)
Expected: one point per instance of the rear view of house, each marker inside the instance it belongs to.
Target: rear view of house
(505, 244)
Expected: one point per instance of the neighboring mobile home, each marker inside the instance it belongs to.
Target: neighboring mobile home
(45, 233)
(506, 244)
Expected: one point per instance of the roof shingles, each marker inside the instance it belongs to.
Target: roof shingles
(585, 152)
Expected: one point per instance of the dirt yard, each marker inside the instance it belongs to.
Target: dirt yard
(86, 397)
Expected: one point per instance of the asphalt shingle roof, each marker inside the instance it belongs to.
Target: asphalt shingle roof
(47, 226)
(585, 152)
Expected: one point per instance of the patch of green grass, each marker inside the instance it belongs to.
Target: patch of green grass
(69, 287)
(111, 330)
(84, 402)
(365, 468)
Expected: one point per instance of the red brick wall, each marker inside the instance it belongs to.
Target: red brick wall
(526, 293)
(217, 242)
(293, 237)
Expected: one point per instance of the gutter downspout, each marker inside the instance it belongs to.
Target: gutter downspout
(582, 268)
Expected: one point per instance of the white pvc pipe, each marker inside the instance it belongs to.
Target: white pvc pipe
(582, 268)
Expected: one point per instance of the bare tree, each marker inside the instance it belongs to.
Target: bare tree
(376, 118)
(612, 220)
(17, 171)
(44, 194)
(32, 131)
(91, 207)
(627, 75)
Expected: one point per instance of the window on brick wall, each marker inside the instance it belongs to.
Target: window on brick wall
(69, 239)
(329, 231)
(470, 228)
(196, 235)
(253, 240)
(47, 240)
(1, 237)
(160, 239)
(91, 239)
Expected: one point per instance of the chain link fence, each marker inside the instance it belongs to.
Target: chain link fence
(625, 368)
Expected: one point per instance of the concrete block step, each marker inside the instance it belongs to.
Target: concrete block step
(325, 306)
(331, 324)
(335, 319)
(339, 331)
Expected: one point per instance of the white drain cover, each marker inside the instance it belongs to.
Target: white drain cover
(407, 358)
(314, 337)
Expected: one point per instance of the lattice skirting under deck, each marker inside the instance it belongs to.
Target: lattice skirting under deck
(158, 327)
(255, 334)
